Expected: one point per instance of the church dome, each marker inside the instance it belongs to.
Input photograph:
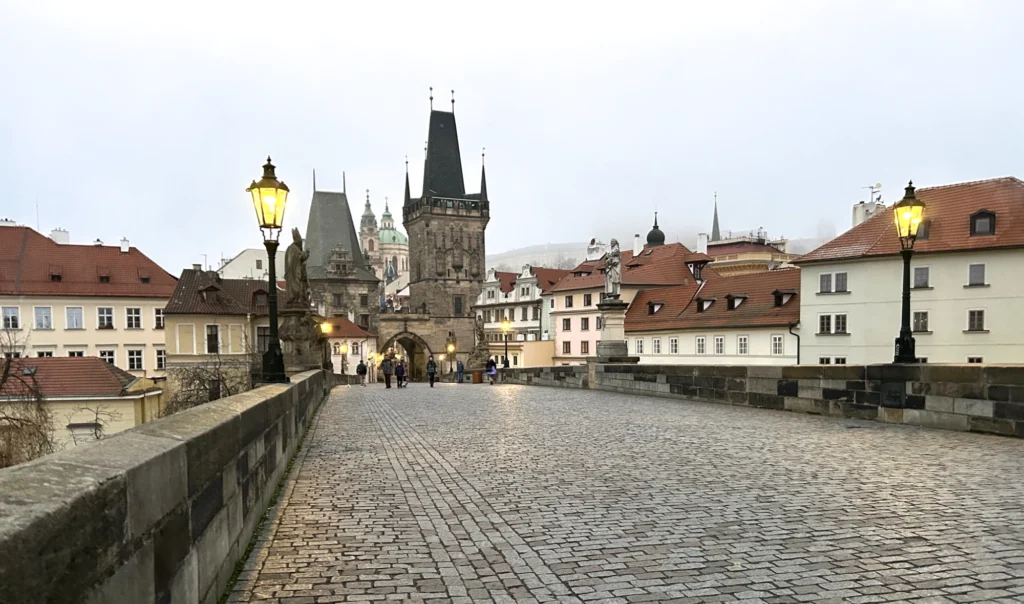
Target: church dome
(392, 236)
(655, 236)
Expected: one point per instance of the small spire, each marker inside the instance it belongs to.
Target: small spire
(453, 100)
(385, 204)
(367, 196)
(344, 190)
(716, 234)
(655, 218)
(483, 175)
(408, 196)
(431, 98)
(406, 164)
(314, 180)
(483, 155)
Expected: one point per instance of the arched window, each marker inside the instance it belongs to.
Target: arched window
(369, 245)
(394, 262)
(983, 223)
(337, 348)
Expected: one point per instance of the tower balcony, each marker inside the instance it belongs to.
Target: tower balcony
(446, 206)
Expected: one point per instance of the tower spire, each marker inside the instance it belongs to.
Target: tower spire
(431, 98)
(655, 218)
(716, 234)
(343, 188)
(408, 196)
(453, 100)
(314, 180)
(483, 175)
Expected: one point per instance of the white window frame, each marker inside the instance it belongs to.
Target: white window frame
(839, 360)
(984, 320)
(128, 317)
(835, 323)
(655, 345)
(81, 317)
(781, 340)
(673, 345)
(16, 315)
(830, 283)
(35, 318)
(743, 345)
(638, 345)
(158, 318)
(984, 274)
(719, 345)
(835, 284)
(568, 301)
(99, 317)
(927, 321)
(220, 340)
(76, 354)
(700, 345)
(830, 326)
(979, 360)
(111, 353)
(824, 360)
(141, 358)
(928, 280)
(161, 366)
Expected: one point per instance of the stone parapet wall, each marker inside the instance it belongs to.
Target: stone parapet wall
(975, 398)
(159, 513)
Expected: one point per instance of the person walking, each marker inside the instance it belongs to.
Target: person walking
(460, 370)
(400, 374)
(361, 372)
(386, 367)
(492, 370)
(431, 370)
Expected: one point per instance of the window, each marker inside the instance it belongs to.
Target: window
(983, 223)
(12, 355)
(12, 317)
(829, 324)
(259, 265)
(44, 354)
(568, 301)
(778, 347)
(656, 345)
(107, 355)
(840, 321)
(158, 318)
(840, 282)
(260, 299)
(104, 278)
(976, 275)
(105, 317)
(742, 345)
(522, 314)
(336, 300)
(336, 348)
(839, 360)
(975, 360)
(134, 318)
(825, 324)
(73, 318)
(536, 313)
(566, 347)
(586, 300)
(212, 339)
(825, 283)
(262, 339)
(827, 280)
(490, 294)
(824, 361)
(584, 347)
(566, 324)
(975, 320)
(161, 358)
(598, 324)
(44, 318)
(354, 349)
(134, 360)
(585, 324)
(515, 359)
(701, 349)
(552, 302)
(920, 276)
(76, 354)
(457, 306)
(921, 320)
(638, 346)
(364, 300)
(673, 345)
(364, 321)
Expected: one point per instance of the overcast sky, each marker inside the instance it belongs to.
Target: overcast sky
(125, 118)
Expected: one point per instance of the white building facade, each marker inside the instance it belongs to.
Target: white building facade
(252, 263)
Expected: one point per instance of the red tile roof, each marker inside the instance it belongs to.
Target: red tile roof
(547, 278)
(206, 293)
(343, 328)
(679, 310)
(658, 265)
(32, 264)
(65, 376)
(948, 211)
(506, 281)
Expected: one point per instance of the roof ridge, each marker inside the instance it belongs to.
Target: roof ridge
(965, 183)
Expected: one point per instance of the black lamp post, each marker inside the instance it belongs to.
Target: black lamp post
(269, 197)
(451, 357)
(505, 326)
(908, 213)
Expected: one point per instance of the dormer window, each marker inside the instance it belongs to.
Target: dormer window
(653, 307)
(735, 300)
(260, 299)
(104, 278)
(983, 223)
(923, 229)
(782, 296)
(704, 303)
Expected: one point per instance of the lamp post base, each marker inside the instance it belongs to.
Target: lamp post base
(905, 350)
(273, 366)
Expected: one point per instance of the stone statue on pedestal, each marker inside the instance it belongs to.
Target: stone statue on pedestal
(302, 341)
(296, 281)
(481, 352)
(612, 271)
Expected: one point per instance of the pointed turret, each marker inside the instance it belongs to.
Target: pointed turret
(483, 183)
(655, 236)
(408, 195)
(368, 220)
(442, 174)
(716, 235)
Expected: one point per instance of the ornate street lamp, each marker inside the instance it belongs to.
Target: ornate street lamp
(451, 357)
(269, 197)
(908, 214)
(505, 327)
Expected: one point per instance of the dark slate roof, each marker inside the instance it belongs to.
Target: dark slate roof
(223, 296)
(330, 224)
(442, 175)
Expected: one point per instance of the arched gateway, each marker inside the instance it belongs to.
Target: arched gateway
(416, 350)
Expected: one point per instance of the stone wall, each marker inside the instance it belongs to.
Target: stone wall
(159, 513)
(975, 398)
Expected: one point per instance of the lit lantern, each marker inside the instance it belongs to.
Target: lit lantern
(908, 214)
(269, 197)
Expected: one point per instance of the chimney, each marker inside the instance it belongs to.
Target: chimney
(7, 222)
(864, 210)
(97, 243)
(638, 245)
(702, 243)
(60, 236)
(124, 245)
(197, 267)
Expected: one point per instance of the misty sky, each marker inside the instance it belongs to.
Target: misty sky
(122, 118)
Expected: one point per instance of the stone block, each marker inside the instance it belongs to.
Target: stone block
(831, 394)
(1014, 411)
(683, 390)
(893, 373)
(171, 545)
(969, 374)
(843, 372)
(856, 411)
(133, 581)
(863, 397)
(803, 405)
(1007, 376)
(184, 587)
(686, 380)
(920, 388)
(763, 385)
(1004, 427)
(972, 406)
(856, 385)
(914, 401)
(730, 371)
(212, 548)
(206, 506)
(935, 419)
(833, 384)
(801, 372)
(766, 401)
(771, 372)
(736, 397)
(942, 404)
(736, 384)
(809, 389)
(787, 387)
(890, 415)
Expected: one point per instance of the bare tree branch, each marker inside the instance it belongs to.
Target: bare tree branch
(26, 422)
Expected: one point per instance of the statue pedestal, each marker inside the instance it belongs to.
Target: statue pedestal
(612, 346)
(301, 341)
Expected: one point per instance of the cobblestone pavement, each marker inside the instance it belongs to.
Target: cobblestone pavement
(529, 494)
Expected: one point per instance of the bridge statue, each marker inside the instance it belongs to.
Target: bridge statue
(612, 271)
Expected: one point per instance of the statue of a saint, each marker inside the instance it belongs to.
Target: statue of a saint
(612, 270)
(296, 281)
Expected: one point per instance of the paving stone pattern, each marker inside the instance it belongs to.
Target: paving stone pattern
(524, 494)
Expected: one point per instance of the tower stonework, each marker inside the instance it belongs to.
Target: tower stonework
(447, 250)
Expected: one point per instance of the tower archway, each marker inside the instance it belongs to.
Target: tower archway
(415, 351)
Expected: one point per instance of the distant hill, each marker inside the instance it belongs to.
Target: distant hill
(550, 255)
